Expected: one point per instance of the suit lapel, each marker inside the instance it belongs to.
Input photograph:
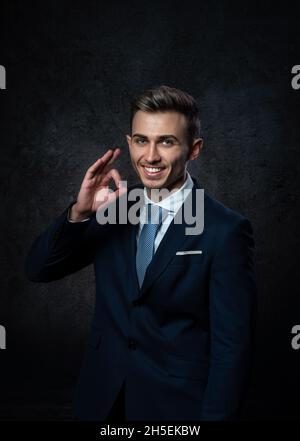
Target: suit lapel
(132, 260)
(130, 251)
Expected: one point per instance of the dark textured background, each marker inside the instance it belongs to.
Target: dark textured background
(72, 68)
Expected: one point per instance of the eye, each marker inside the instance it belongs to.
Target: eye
(140, 140)
(168, 141)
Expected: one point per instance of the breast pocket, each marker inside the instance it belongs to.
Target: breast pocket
(187, 259)
(189, 369)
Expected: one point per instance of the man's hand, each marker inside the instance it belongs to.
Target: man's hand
(94, 191)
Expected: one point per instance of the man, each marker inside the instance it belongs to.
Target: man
(172, 333)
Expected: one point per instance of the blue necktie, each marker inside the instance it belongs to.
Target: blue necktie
(145, 246)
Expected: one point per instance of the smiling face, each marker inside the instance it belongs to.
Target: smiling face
(159, 149)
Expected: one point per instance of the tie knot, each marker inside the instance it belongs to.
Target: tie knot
(154, 213)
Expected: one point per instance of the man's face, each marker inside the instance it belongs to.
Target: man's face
(158, 149)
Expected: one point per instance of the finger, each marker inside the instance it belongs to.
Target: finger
(99, 164)
(103, 201)
(112, 174)
(120, 191)
(112, 196)
(116, 154)
(103, 160)
(102, 193)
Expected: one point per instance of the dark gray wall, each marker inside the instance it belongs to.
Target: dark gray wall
(71, 70)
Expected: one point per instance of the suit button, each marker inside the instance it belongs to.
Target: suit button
(131, 343)
(136, 302)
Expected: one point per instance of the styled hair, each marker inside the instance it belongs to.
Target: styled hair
(164, 98)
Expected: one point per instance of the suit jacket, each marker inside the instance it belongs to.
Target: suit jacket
(183, 341)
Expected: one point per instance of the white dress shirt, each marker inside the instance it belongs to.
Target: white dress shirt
(171, 205)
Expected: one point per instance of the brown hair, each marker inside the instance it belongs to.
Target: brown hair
(164, 98)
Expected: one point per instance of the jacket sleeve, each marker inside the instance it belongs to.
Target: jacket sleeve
(63, 248)
(232, 304)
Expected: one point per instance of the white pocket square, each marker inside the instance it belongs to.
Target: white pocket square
(182, 253)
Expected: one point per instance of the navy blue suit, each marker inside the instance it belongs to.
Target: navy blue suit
(183, 342)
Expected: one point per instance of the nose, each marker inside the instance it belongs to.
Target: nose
(152, 154)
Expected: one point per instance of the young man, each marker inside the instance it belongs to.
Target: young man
(172, 333)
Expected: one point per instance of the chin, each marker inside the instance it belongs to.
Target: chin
(151, 183)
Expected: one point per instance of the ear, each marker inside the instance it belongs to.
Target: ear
(196, 149)
(128, 137)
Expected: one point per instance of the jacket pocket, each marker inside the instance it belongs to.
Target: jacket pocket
(187, 259)
(190, 369)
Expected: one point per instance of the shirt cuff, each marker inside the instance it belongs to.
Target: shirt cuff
(75, 222)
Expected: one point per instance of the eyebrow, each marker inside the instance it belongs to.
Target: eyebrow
(159, 137)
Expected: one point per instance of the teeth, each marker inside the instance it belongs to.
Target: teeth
(152, 170)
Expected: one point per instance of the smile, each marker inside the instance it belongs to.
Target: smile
(152, 171)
